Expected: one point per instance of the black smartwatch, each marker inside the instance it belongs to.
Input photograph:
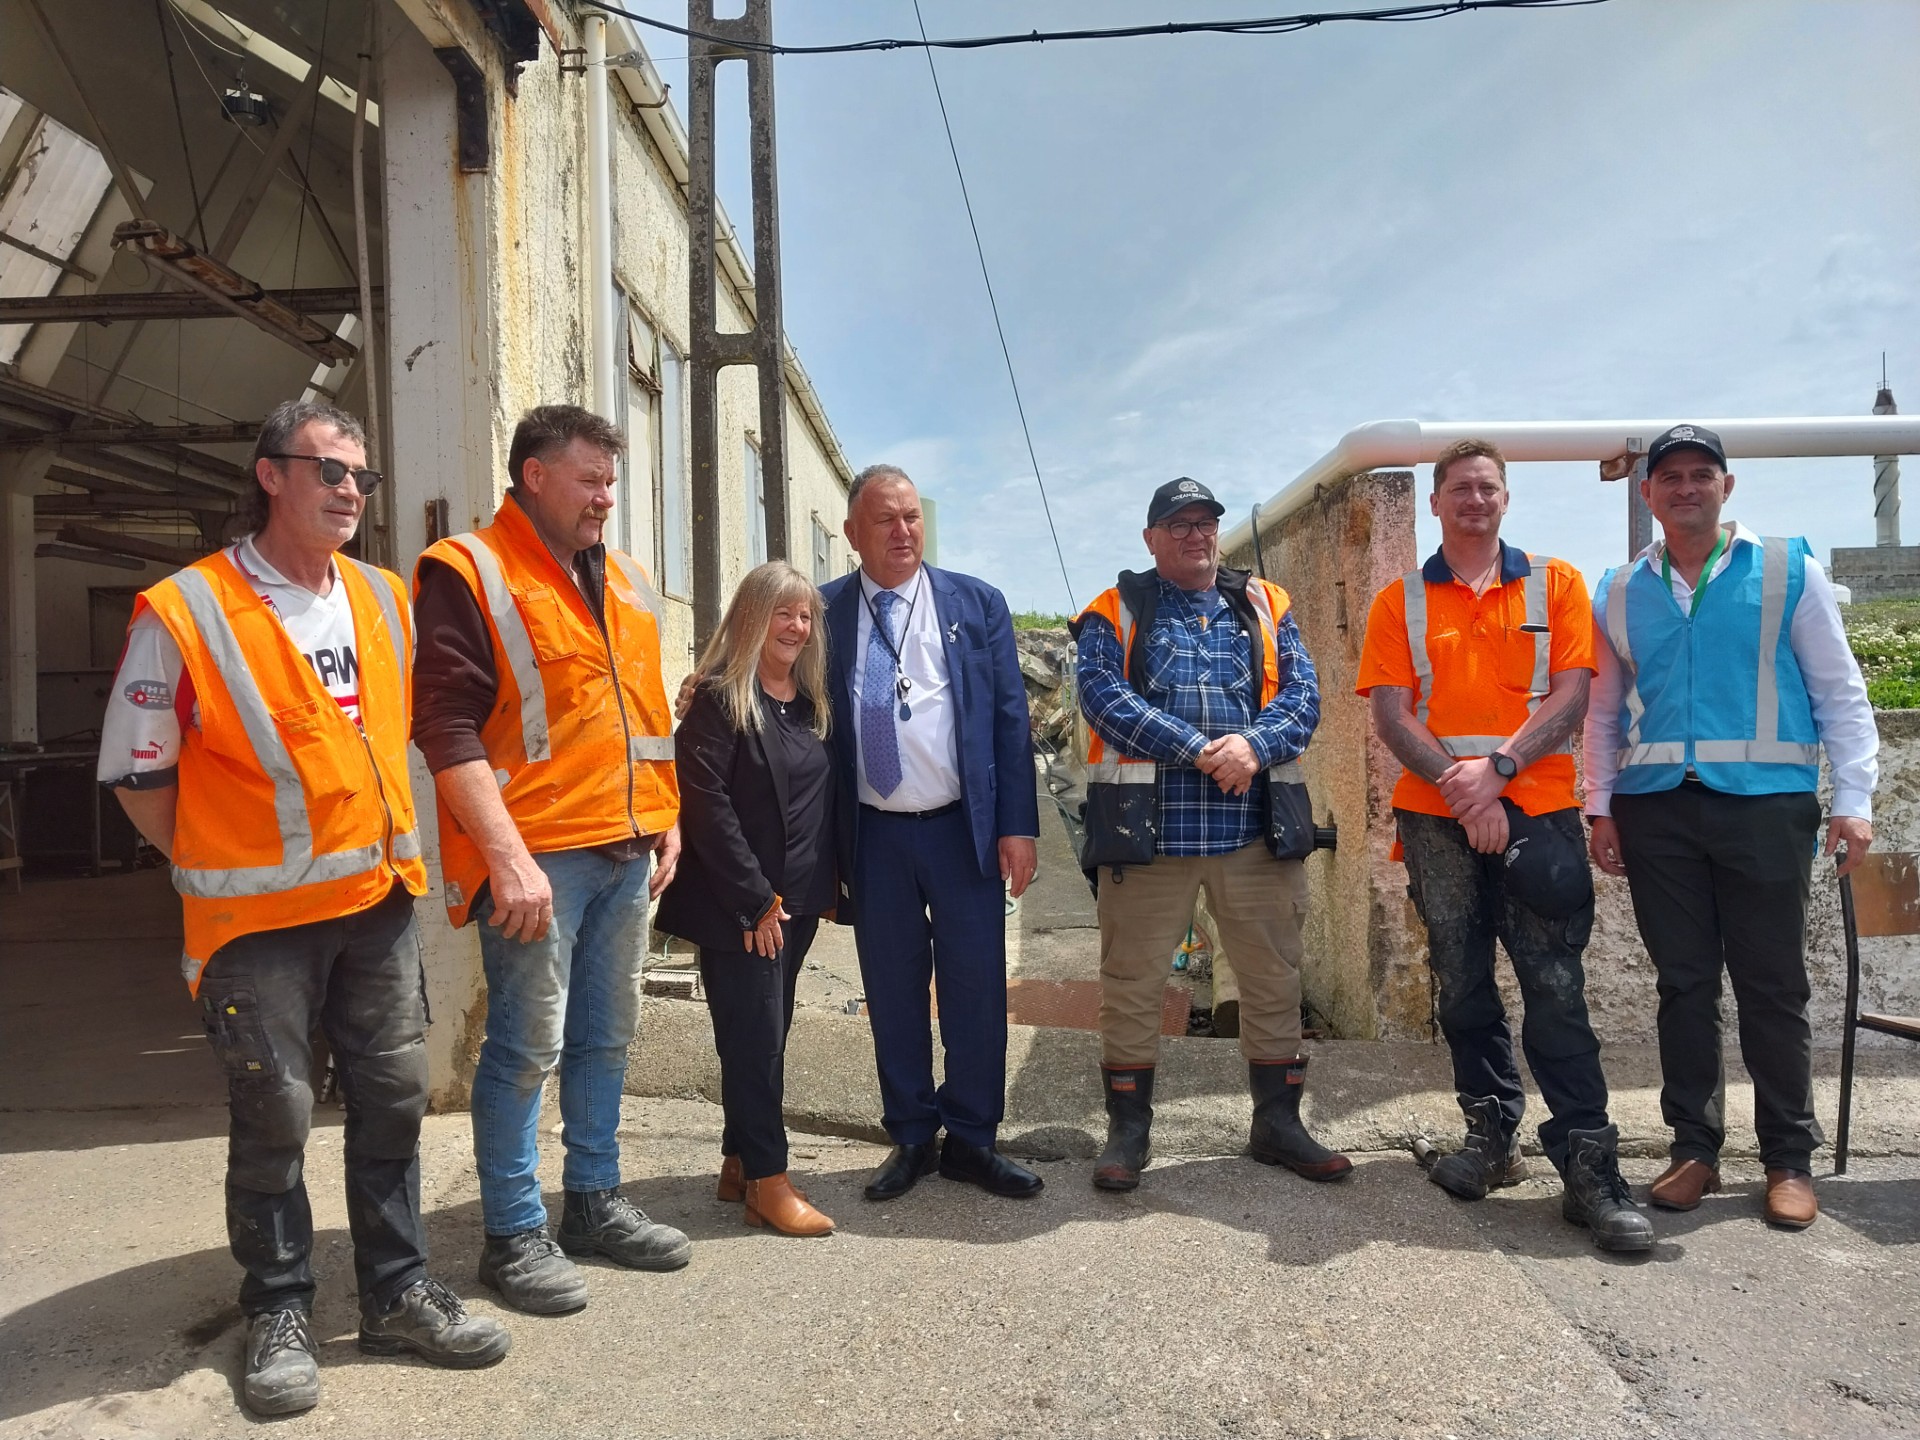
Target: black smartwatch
(1503, 765)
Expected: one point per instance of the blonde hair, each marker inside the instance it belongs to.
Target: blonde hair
(731, 664)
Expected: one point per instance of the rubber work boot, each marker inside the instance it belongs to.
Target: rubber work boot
(1597, 1196)
(604, 1222)
(428, 1320)
(1278, 1137)
(1488, 1161)
(531, 1274)
(1129, 1122)
(773, 1202)
(283, 1378)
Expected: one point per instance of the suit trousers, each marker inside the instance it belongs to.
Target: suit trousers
(926, 913)
(750, 999)
(1258, 903)
(1720, 882)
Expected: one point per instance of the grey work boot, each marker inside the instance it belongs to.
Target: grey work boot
(531, 1274)
(428, 1320)
(603, 1222)
(1489, 1159)
(1278, 1137)
(283, 1378)
(1597, 1196)
(1129, 1123)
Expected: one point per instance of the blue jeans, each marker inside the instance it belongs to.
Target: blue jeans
(571, 998)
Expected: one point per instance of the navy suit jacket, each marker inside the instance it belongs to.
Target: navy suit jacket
(991, 730)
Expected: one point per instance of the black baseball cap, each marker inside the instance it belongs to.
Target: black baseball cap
(1177, 495)
(1681, 437)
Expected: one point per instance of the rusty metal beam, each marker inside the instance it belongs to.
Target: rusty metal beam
(166, 305)
(89, 538)
(236, 434)
(111, 499)
(166, 472)
(162, 250)
(711, 351)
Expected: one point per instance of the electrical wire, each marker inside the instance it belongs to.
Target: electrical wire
(1273, 25)
(993, 304)
(180, 121)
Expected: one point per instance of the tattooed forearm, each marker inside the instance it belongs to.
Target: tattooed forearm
(1559, 715)
(1411, 742)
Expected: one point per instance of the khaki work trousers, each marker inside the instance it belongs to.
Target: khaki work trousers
(1258, 904)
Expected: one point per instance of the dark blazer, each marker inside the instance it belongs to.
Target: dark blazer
(991, 731)
(733, 826)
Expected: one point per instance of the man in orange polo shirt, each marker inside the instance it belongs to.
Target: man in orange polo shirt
(1476, 667)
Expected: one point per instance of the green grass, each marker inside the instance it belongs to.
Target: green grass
(1039, 620)
(1885, 636)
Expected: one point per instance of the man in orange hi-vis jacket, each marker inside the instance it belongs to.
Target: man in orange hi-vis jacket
(257, 735)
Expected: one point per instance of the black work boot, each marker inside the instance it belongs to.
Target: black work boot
(283, 1378)
(428, 1320)
(1278, 1137)
(531, 1274)
(1489, 1159)
(604, 1222)
(1597, 1196)
(1129, 1121)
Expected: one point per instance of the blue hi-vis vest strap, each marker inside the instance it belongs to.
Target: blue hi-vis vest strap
(1719, 694)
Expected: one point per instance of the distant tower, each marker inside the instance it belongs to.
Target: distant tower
(1886, 475)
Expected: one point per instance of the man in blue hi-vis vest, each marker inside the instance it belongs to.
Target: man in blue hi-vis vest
(1723, 670)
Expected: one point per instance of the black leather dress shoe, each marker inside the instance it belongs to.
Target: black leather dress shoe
(986, 1167)
(899, 1171)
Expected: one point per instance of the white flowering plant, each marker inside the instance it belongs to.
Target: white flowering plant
(1885, 636)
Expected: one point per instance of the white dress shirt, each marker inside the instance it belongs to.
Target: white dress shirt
(929, 747)
(1841, 711)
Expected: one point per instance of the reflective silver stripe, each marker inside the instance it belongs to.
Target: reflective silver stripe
(1755, 752)
(1415, 586)
(1122, 772)
(1463, 747)
(289, 801)
(1659, 752)
(272, 879)
(511, 626)
(1773, 614)
(637, 578)
(650, 747)
(406, 845)
(1617, 637)
(389, 611)
(1537, 616)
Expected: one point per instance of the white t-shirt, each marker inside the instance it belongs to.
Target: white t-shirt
(152, 699)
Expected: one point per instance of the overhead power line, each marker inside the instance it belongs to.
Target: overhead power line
(994, 305)
(1273, 25)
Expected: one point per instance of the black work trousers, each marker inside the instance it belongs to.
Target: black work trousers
(1720, 882)
(751, 1001)
(359, 977)
(1462, 896)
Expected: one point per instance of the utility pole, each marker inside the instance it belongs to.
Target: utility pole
(1886, 473)
(741, 38)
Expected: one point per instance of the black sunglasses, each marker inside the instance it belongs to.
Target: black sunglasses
(332, 472)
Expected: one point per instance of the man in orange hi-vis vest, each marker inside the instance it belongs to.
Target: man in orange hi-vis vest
(257, 735)
(542, 715)
(1476, 669)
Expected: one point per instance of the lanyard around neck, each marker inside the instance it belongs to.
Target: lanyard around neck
(873, 610)
(1706, 572)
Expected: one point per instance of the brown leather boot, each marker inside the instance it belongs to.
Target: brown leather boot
(733, 1182)
(773, 1201)
(1790, 1202)
(1682, 1183)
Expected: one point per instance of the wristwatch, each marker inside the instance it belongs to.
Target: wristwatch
(1503, 765)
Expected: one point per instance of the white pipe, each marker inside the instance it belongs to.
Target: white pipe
(1416, 442)
(600, 218)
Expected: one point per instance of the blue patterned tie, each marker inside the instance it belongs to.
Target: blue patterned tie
(879, 741)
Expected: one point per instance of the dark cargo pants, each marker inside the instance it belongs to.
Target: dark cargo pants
(1461, 895)
(359, 976)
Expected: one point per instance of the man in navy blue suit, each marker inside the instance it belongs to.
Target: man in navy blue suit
(937, 813)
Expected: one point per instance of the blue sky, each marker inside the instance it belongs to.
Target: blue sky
(1216, 255)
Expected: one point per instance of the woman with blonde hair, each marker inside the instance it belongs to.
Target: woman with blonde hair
(757, 868)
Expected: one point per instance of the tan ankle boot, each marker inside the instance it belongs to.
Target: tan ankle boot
(773, 1201)
(733, 1182)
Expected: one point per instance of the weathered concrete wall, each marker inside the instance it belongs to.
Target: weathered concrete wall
(1366, 971)
(1877, 572)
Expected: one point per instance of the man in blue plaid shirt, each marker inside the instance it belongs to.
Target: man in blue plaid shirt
(1211, 686)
